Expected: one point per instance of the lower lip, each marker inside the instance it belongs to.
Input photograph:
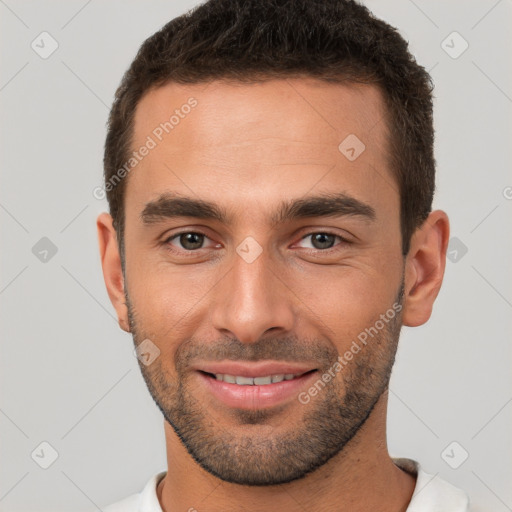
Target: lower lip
(254, 396)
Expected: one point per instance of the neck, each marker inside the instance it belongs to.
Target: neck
(361, 477)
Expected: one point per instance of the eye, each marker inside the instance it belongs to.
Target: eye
(323, 241)
(189, 241)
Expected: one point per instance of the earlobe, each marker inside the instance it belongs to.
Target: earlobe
(112, 270)
(425, 265)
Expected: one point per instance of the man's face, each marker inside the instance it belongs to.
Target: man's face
(255, 286)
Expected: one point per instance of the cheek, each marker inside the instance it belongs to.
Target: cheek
(340, 301)
(343, 302)
(168, 300)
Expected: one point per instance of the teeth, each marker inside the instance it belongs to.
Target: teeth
(263, 380)
(258, 381)
(244, 380)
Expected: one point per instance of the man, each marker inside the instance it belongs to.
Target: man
(269, 170)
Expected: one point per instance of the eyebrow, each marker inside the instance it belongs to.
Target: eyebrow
(168, 206)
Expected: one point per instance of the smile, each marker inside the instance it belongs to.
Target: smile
(250, 393)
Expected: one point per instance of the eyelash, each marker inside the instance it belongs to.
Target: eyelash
(166, 242)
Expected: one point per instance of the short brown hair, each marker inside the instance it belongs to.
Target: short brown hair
(257, 40)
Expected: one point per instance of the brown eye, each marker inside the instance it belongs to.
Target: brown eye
(322, 241)
(186, 241)
(191, 241)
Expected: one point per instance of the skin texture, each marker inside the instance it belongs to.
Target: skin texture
(248, 148)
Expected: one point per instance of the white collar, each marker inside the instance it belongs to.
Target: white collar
(431, 493)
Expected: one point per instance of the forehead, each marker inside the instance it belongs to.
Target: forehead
(306, 109)
(237, 142)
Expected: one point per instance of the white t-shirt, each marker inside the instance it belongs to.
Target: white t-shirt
(431, 494)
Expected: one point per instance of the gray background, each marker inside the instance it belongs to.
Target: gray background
(68, 374)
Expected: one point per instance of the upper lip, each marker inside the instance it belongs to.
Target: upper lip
(258, 369)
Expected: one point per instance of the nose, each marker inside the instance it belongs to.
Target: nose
(252, 300)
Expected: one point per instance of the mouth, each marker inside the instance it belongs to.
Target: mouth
(264, 380)
(257, 392)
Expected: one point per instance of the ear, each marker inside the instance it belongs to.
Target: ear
(112, 270)
(424, 268)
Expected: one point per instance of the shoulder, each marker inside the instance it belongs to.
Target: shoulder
(129, 504)
(144, 501)
(431, 492)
